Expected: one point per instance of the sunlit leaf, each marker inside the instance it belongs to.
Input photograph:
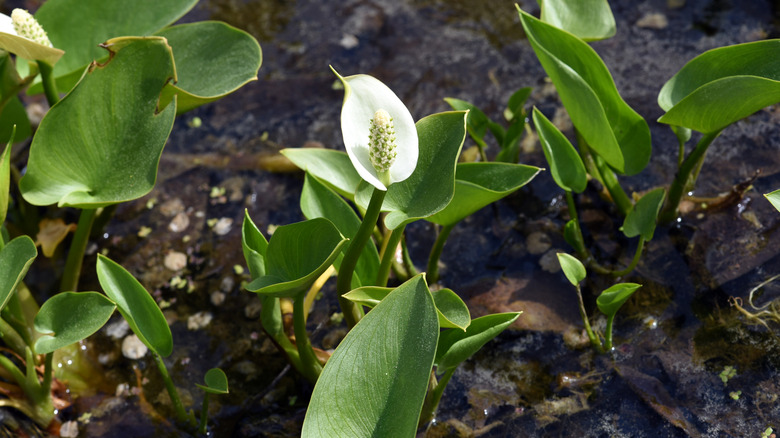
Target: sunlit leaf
(610, 301)
(455, 346)
(216, 382)
(69, 317)
(774, 199)
(331, 167)
(589, 20)
(641, 219)
(15, 259)
(566, 166)
(572, 268)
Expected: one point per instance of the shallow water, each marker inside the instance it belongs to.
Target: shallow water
(662, 380)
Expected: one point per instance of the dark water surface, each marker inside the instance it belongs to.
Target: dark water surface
(673, 338)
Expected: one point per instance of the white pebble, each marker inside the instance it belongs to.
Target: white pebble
(179, 223)
(118, 329)
(223, 226)
(199, 320)
(69, 429)
(175, 260)
(133, 348)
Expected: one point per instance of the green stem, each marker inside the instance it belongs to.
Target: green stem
(584, 315)
(352, 311)
(608, 334)
(204, 414)
(309, 363)
(70, 278)
(438, 246)
(408, 263)
(49, 84)
(635, 261)
(177, 404)
(617, 193)
(388, 254)
(676, 189)
(435, 392)
(582, 251)
(11, 337)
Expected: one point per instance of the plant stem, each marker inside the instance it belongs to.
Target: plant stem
(635, 261)
(617, 193)
(608, 334)
(352, 311)
(388, 254)
(438, 246)
(408, 263)
(11, 337)
(432, 399)
(677, 187)
(70, 278)
(582, 251)
(177, 405)
(584, 315)
(204, 414)
(49, 84)
(310, 365)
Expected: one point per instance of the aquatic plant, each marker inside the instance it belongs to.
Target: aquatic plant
(114, 87)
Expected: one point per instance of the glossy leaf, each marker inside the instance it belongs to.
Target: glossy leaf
(317, 200)
(296, 256)
(641, 220)
(29, 49)
(589, 20)
(136, 305)
(69, 317)
(432, 185)
(774, 199)
(5, 180)
(101, 144)
(376, 380)
(455, 346)
(451, 310)
(15, 259)
(722, 86)
(79, 26)
(476, 121)
(216, 382)
(213, 60)
(254, 245)
(566, 166)
(611, 128)
(331, 167)
(610, 301)
(572, 268)
(480, 184)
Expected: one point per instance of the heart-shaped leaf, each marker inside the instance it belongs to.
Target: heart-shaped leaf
(136, 306)
(450, 308)
(376, 380)
(589, 20)
(216, 382)
(610, 301)
(572, 268)
(641, 219)
(69, 317)
(331, 167)
(722, 86)
(611, 128)
(15, 259)
(213, 59)
(79, 26)
(455, 346)
(101, 144)
(480, 184)
(296, 256)
(566, 166)
(317, 200)
(431, 187)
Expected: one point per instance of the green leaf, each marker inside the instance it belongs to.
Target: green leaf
(455, 346)
(566, 166)
(515, 105)
(29, 49)
(317, 200)
(254, 245)
(611, 128)
(216, 382)
(610, 301)
(641, 219)
(376, 380)
(15, 259)
(136, 306)
(589, 20)
(432, 185)
(213, 60)
(296, 256)
(79, 26)
(476, 121)
(5, 179)
(572, 268)
(774, 199)
(101, 144)
(331, 167)
(451, 310)
(480, 184)
(14, 115)
(571, 235)
(69, 317)
(722, 86)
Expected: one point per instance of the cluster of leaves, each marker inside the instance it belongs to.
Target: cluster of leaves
(125, 72)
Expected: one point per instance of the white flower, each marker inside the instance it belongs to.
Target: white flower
(27, 27)
(23, 36)
(379, 132)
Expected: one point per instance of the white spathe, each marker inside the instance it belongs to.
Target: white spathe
(363, 96)
(7, 25)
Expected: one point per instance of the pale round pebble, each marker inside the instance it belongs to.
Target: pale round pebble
(199, 320)
(549, 261)
(133, 348)
(217, 298)
(118, 329)
(538, 243)
(175, 260)
(653, 21)
(179, 223)
(223, 226)
(69, 429)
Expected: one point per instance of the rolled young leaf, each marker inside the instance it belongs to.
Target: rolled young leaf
(610, 301)
(566, 166)
(455, 346)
